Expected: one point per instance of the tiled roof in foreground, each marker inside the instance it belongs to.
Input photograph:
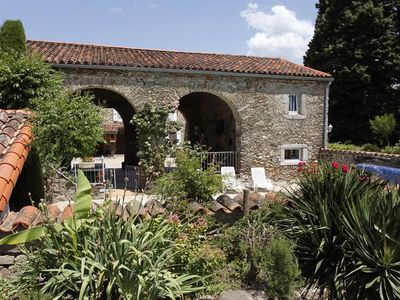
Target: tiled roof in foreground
(15, 136)
(62, 53)
(223, 207)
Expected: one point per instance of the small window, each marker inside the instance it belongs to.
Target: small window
(292, 154)
(293, 104)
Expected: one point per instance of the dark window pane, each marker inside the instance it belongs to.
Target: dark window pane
(292, 154)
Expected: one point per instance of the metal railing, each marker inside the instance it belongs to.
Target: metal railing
(222, 159)
(97, 174)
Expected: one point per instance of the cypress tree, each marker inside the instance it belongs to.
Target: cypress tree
(12, 36)
(358, 42)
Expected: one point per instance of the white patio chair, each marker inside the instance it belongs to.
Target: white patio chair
(229, 179)
(259, 179)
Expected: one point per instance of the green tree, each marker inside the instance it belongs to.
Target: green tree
(24, 78)
(66, 126)
(358, 42)
(383, 127)
(12, 36)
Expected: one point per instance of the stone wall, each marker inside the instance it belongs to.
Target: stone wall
(258, 104)
(356, 157)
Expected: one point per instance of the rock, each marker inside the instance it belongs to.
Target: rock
(235, 295)
(4, 272)
(6, 260)
(20, 258)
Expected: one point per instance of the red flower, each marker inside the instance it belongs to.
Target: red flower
(335, 165)
(345, 168)
(301, 163)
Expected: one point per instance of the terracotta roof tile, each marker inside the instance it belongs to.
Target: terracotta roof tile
(62, 53)
(224, 207)
(15, 136)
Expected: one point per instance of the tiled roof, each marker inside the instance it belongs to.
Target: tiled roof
(223, 207)
(15, 136)
(62, 53)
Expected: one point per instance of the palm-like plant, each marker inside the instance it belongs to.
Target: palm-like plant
(317, 226)
(372, 232)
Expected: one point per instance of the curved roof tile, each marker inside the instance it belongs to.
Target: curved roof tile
(62, 53)
(15, 136)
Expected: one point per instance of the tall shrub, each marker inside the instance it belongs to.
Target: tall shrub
(25, 78)
(12, 37)
(66, 126)
(383, 127)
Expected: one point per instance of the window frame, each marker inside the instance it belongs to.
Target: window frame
(300, 112)
(303, 154)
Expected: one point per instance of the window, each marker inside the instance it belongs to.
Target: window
(292, 154)
(293, 104)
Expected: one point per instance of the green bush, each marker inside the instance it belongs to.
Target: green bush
(188, 181)
(339, 146)
(12, 37)
(342, 221)
(25, 78)
(392, 149)
(281, 269)
(260, 255)
(66, 126)
(370, 148)
(198, 253)
(383, 127)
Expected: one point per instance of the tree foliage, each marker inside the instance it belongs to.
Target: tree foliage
(25, 78)
(66, 126)
(383, 127)
(358, 42)
(12, 37)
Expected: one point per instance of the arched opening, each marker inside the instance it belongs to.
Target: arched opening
(209, 121)
(119, 133)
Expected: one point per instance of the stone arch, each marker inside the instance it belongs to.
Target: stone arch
(110, 98)
(207, 105)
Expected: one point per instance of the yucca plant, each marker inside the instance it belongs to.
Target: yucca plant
(316, 224)
(372, 233)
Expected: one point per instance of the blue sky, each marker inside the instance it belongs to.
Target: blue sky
(277, 28)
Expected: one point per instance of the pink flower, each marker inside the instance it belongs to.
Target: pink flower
(173, 218)
(335, 165)
(345, 168)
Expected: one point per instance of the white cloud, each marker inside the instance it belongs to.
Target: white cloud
(115, 9)
(279, 32)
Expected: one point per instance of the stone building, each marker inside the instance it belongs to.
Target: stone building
(264, 112)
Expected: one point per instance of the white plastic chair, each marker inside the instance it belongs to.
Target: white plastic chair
(229, 179)
(259, 179)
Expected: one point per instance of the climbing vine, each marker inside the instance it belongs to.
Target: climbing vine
(153, 132)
